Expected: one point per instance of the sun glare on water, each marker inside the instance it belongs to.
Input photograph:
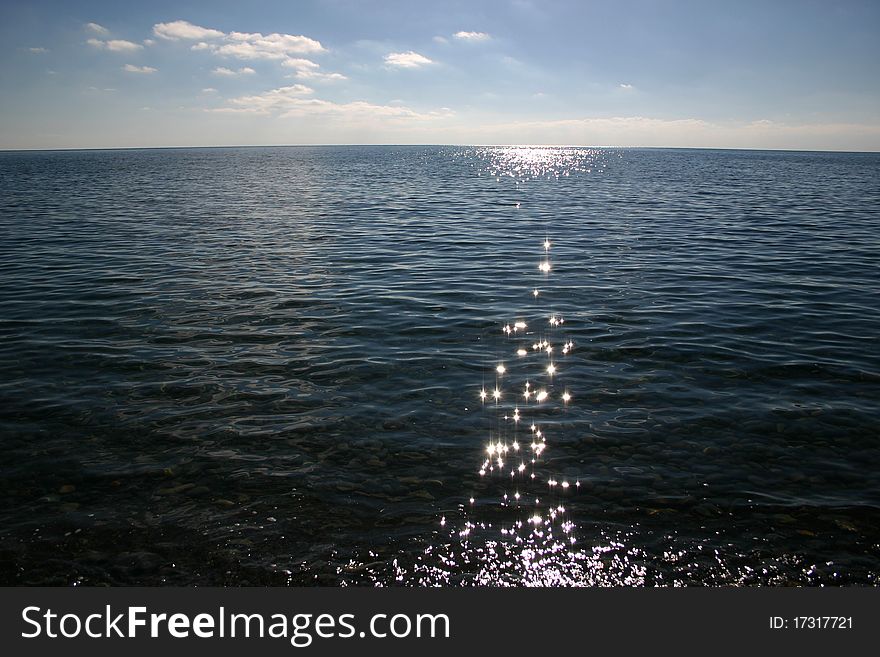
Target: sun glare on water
(534, 521)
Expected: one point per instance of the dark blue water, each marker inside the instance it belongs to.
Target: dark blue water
(263, 366)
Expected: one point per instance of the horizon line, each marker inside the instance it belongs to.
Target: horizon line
(459, 145)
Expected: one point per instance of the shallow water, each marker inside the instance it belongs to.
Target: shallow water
(251, 366)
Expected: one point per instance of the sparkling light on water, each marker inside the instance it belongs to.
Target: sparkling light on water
(536, 524)
(514, 526)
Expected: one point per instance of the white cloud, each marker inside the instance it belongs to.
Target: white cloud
(131, 68)
(253, 45)
(228, 72)
(408, 59)
(121, 45)
(625, 87)
(97, 29)
(184, 30)
(317, 75)
(243, 45)
(441, 40)
(306, 69)
(115, 45)
(209, 90)
(471, 36)
(359, 111)
(270, 102)
(296, 101)
(149, 42)
(300, 64)
(38, 50)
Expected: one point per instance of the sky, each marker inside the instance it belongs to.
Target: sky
(796, 74)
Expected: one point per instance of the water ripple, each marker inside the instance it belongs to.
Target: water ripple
(260, 365)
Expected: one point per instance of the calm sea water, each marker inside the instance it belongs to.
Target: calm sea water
(263, 366)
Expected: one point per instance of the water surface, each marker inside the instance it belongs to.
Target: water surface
(263, 366)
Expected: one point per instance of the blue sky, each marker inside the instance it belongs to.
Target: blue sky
(743, 74)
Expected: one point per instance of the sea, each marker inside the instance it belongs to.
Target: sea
(439, 366)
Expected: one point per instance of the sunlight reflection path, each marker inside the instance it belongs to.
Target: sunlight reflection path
(526, 484)
(518, 528)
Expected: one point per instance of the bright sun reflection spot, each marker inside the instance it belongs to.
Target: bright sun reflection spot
(544, 266)
(521, 352)
(496, 394)
(551, 369)
(483, 394)
(501, 369)
(541, 396)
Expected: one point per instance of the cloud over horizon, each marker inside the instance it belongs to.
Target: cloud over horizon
(298, 101)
